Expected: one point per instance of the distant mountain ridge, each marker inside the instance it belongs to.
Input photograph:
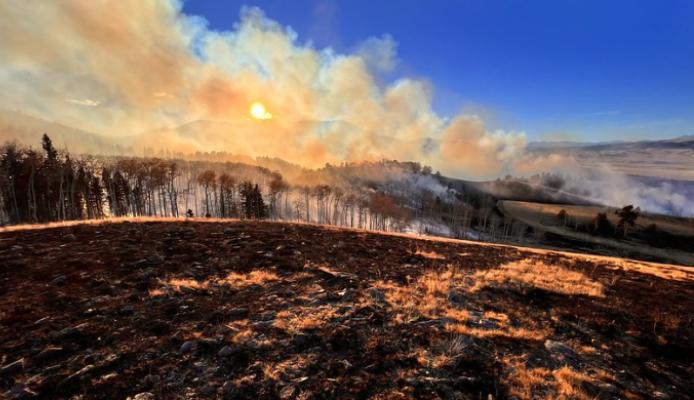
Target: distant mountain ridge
(677, 141)
(26, 129)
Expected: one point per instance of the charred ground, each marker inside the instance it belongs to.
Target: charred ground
(272, 310)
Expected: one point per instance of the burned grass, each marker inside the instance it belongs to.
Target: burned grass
(265, 310)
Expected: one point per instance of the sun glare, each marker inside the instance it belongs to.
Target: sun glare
(258, 111)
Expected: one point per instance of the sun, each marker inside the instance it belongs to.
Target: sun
(258, 111)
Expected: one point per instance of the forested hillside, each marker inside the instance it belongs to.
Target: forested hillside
(50, 185)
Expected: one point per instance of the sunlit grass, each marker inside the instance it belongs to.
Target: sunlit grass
(432, 255)
(561, 383)
(529, 273)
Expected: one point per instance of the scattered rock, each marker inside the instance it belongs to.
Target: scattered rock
(189, 346)
(561, 352)
(188, 233)
(151, 379)
(346, 294)
(287, 392)
(148, 272)
(376, 294)
(226, 351)
(228, 231)
(478, 321)
(267, 316)
(155, 259)
(128, 309)
(143, 396)
(66, 333)
(228, 387)
(48, 353)
(437, 322)
(482, 323)
(456, 297)
(303, 340)
(13, 367)
(85, 371)
(59, 280)
(559, 347)
(209, 343)
(19, 391)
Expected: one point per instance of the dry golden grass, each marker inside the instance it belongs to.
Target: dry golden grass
(503, 332)
(289, 369)
(528, 383)
(542, 383)
(156, 292)
(443, 353)
(177, 284)
(435, 284)
(242, 332)
(569, 383)
(425, 297)
(304, 318)
(537, 274)
(255, 277)
(432, 255)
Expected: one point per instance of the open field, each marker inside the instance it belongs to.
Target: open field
(547, 214)
(543, 216)
(269, 310)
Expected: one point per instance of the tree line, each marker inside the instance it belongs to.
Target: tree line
(42, 186)
(38, 186)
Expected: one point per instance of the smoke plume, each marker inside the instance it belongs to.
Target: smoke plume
(132, 67)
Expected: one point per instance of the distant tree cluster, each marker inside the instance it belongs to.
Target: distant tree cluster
(49, 185)
(601, 224)
(252, 200)
(42, 186)
(627, 218)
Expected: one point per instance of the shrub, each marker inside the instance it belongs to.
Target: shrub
(601, 225)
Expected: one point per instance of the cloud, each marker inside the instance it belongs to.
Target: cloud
(379, 53)
(151, 66)
(84, 102)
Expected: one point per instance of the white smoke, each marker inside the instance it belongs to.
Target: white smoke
(131, 66)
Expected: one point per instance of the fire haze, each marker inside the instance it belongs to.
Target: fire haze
(126, 67)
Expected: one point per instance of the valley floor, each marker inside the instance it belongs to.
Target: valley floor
(271, 310)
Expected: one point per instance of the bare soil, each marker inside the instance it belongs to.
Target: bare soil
(271, 310)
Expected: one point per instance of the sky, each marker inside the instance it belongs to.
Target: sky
(555, 70)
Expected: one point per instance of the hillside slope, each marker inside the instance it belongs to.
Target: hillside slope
(269, 310)
(543, 218)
